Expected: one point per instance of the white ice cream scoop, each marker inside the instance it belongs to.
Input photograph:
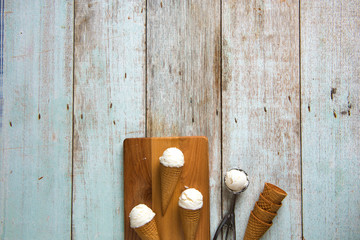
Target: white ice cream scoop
(236, 180)
(140, 215)
(191, 199)
(172, 157)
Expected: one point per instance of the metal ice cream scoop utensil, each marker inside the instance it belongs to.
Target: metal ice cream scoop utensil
(229, 219)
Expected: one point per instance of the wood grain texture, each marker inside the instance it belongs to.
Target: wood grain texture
(183, 73)
(330, 86)
(142, 182)
(2, 24)
(260, 107)
(176, 91)
(35, 138)
(109, 105)
(137, 178)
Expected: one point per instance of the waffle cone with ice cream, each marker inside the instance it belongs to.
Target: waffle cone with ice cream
(142, 220)
(190, 205)
(171, 164)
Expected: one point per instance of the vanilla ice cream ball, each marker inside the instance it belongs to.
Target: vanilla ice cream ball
(172, 157)
(140, 215)
(191, 199)
(236, 180)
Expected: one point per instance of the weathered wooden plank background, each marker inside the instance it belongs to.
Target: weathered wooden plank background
(183, 79)
(36, 135)
(274, 85)
(261, 117)
(330, 87)
(109, 106)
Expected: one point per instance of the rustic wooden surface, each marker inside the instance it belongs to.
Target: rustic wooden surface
(142, 182)
(274, 85)
(36, 112)
(261, 117)
(109, 87)
(330, 86)
(183, 78)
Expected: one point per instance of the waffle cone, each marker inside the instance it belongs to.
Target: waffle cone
(169, 177)
(262, 214)
(255, 228)
(148, 231)
(190, 221)
(267, 204)
(273, 193)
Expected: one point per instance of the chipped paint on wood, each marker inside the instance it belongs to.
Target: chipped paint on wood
(174, 81)
(330, 82)
(108, 107)
(261, 90)
(35, 145)
(183, 91)
(2, 23)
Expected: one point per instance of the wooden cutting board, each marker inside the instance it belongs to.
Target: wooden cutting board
(142, 182)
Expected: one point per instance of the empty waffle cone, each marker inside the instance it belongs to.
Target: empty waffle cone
(169, 177)
(273, 193)
(262, 214)
(148, 231)
(190, 221)
(255, 228)
(267, 204)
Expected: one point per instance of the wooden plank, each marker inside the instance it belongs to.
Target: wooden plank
(36, 130)
(142, 182)
(330, 86)
(137, 179)
(261, 112)
(109, 105)
(2, 23)
(183, 73)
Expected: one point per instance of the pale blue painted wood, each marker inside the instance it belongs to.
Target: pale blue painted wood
(183, 87)
(330, 81)
(2, 8)
(35, 139)
(260, 121)
(261, 107)
(109, 106)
